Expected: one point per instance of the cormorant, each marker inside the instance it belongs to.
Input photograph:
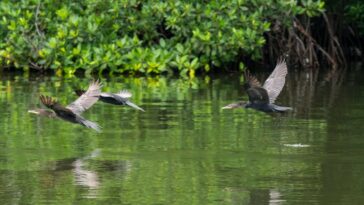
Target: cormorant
(72, 112)
(262, 98)
(120, 98)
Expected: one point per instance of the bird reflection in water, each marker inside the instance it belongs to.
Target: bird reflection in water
(82, 175)
(85, 177)
(91, 179)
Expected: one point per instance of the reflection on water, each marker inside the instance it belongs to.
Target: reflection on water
(85, 177)
(184, 149)
(82, 176)
(274, 197)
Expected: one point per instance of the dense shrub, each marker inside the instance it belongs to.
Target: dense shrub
(138, 36)
(355, 14)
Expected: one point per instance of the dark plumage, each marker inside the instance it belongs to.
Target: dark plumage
(120, 98)
(72, 112)
(263, 97)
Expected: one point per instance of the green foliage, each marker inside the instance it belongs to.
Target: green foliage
(138, 36)
(355, 14)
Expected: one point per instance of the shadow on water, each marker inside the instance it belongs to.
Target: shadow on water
(184, 149)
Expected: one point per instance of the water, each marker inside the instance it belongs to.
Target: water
(184, 149)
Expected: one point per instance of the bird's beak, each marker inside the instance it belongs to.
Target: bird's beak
(34, 112)
(234, 105)
(227, 107)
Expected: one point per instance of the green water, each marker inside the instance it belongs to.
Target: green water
(184, 149)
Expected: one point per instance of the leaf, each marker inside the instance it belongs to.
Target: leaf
(192, 73)
(194, 63)
(52, 43)
(62, 13)
(179, 48)
(207, 67)
(162, 43)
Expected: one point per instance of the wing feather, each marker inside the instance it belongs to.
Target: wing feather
(275, 82)
(251, 80)
(87, 99)
(47, 101)
(124, 94)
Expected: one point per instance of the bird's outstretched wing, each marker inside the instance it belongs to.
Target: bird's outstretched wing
(87, 99)
(250, 80)
(47, 101)
(124, 94)
(275, 82)
(254, 89)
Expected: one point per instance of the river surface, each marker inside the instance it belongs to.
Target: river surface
(185, 149)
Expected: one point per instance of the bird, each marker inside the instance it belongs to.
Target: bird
(262, 98)
(120, 98)
(72, 112)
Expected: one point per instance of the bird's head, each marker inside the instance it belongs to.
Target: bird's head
(42, 112)
(239, 104)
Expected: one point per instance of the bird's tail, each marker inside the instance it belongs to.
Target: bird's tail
(90, 124)
(134, 106)
(281, 108)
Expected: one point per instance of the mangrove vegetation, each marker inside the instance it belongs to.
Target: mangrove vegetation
(185, 37)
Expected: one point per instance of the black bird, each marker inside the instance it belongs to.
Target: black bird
(120, 98)
(262, 98)
(72, 112)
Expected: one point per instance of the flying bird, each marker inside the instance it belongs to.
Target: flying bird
(262, 98)
(120, 98)
(72, 112)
